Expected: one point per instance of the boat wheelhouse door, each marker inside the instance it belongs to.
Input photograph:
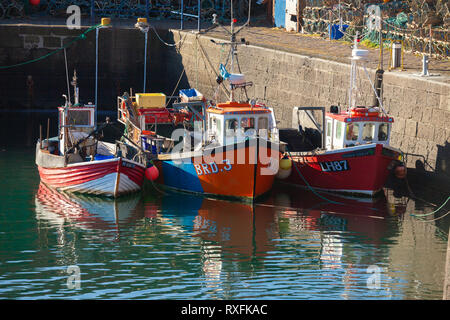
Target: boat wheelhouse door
(216, 128)
(328, 133)
(338, 134)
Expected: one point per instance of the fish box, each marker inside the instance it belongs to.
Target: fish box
(189, 95)
(150, 100)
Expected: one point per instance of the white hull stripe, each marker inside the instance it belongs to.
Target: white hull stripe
(105, 185)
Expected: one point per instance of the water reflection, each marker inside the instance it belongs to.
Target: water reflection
(293, 244)
(86, 212)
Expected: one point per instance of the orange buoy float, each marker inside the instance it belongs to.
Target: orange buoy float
(400, 172)
(363, 112)
(152, 173)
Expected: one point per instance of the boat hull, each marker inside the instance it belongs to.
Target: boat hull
(361, 170)
(112, 177)
(224, 172)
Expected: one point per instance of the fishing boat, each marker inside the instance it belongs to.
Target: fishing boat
(236, 157)
(235, 147)
(348, 152)
(76, 160)
(232, 151)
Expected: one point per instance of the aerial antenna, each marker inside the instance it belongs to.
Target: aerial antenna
(67, 78)
(233, 45)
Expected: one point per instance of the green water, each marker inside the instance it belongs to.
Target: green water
(155, 245)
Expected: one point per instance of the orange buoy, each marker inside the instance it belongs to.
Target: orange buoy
(400, 172)
(152, 173)
(363, 112)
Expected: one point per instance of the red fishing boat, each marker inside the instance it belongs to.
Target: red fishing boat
(77, 161)
(348, 152)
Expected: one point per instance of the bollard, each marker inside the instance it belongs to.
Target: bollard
(425, 61)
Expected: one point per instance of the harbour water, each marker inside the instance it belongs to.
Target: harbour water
(159, 245)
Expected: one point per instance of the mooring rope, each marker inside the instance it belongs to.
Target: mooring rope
(80, 37)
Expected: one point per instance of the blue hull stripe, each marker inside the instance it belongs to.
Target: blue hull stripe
(181, 176)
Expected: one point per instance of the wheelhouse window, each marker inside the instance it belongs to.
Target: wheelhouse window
(352, 132)
(248, 123)
(263, 123)
(231, 126)
(383, 132)
(79, 117)
(338, 134)
(329, 130)
(216, 125)
(368, 133)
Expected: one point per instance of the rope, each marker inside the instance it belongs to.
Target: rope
(81, 36)
(176, 86)
(306, 182)
(167, 44)
(433, 212)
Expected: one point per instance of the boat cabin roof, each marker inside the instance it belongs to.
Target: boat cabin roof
(346, 117)
(237, 108)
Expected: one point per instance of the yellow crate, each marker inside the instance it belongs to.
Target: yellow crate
(150, 100)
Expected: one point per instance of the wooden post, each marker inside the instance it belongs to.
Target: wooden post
(446, 295)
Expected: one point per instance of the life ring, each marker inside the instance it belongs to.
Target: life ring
(124, 109)
(363, 112)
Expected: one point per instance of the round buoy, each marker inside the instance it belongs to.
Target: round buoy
(285, 164)
(284, 173)
(400, 172)
(152, 173)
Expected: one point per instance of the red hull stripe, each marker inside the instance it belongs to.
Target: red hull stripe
(69, 176)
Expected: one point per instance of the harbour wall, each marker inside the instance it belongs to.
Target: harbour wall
(421, 107)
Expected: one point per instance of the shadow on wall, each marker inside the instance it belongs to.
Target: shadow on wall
(41, 84)
(173, 76)
(436, 180)
(443, 160)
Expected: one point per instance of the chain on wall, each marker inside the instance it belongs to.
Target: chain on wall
(408, 20)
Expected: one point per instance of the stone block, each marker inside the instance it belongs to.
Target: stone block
(425, 131)
(444, 103)
(411, 128)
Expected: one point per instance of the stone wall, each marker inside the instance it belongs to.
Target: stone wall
(421, 107)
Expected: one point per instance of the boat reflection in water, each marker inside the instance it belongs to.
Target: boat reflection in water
(86, 212)
(288, 222)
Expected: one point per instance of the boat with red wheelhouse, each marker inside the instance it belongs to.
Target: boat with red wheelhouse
(347, 151)
(78, 161)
